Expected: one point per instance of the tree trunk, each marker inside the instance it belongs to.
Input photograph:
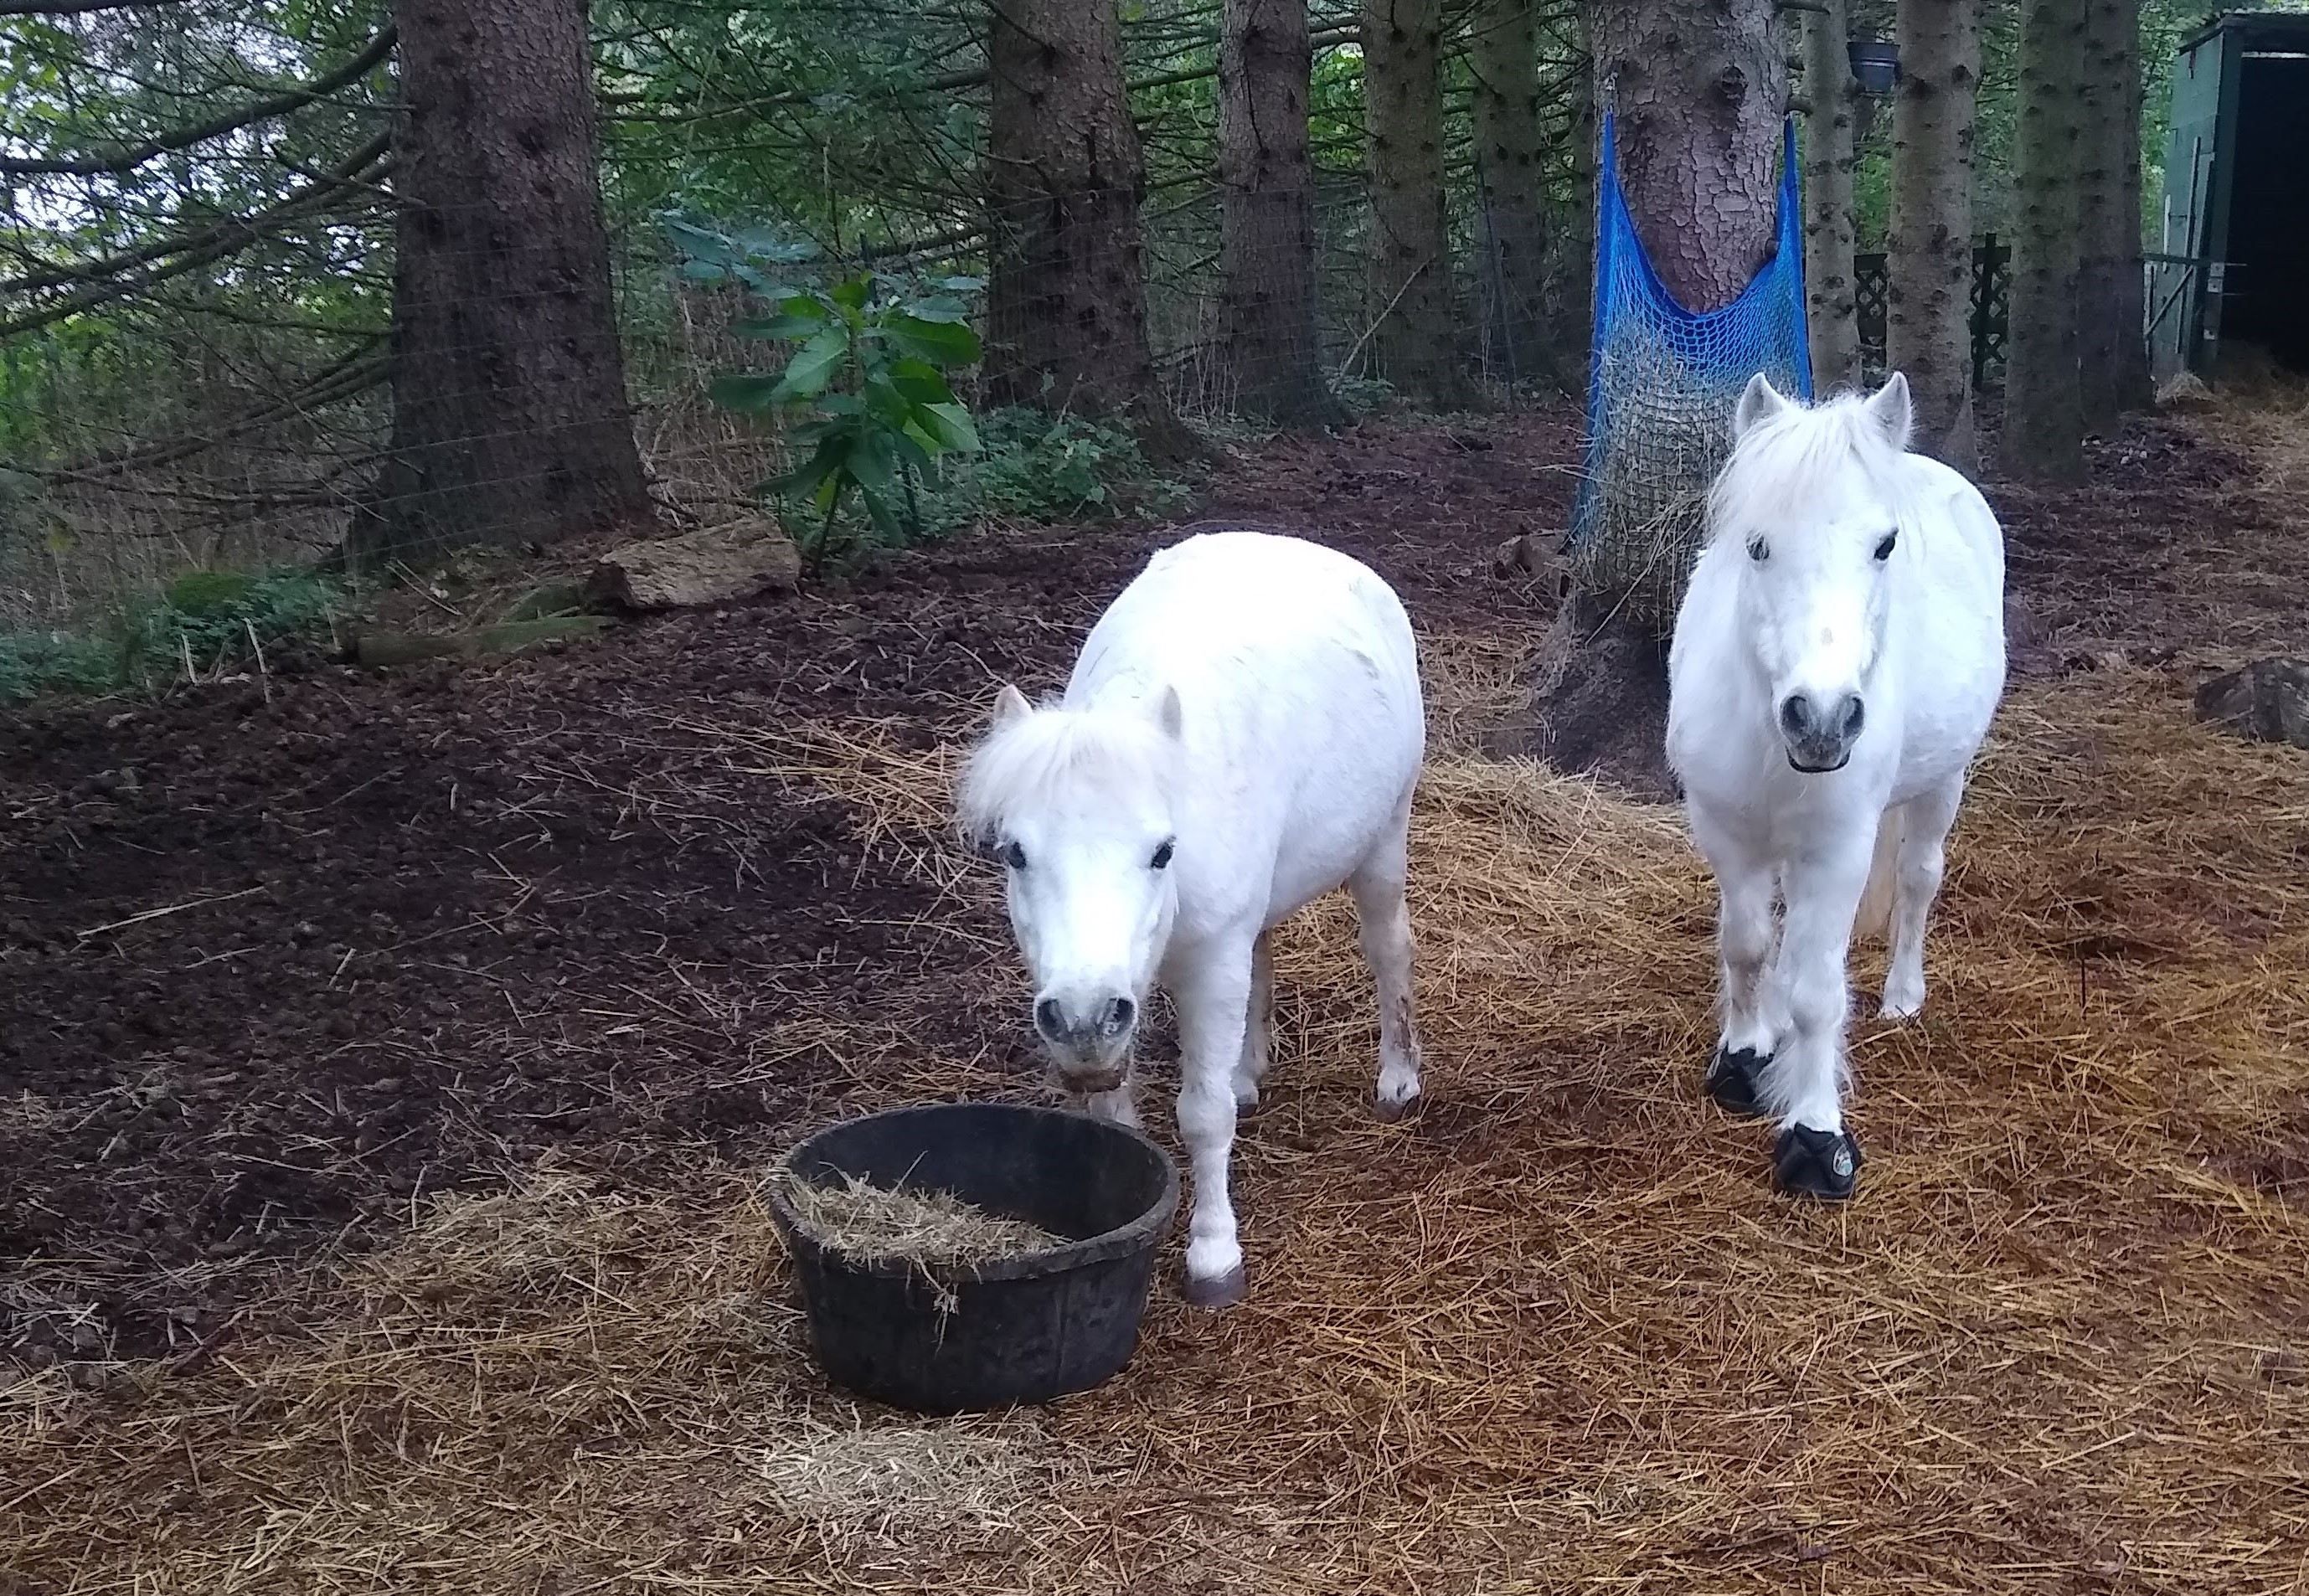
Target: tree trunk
(1701, 92)
(2111, 346)
(2043, 410)
(1928, 291)
(1066, 299)
(1505, 58)
(1266, 253)
(1414, 336)
(1574, 275)
(1832, 306)
(509, 414)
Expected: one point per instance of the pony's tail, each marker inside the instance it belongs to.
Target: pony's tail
(1875, 915)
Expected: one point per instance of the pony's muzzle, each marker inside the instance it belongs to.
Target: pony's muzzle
(1819, 734)
(1087, 1037)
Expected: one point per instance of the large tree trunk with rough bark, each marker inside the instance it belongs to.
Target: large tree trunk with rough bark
(1066, 299)
(2111, 346)
(2043, 409)
(1699, 93)
(1928, 291)
(1414, 339)
(510, 421)
(1504, 56)
(1831, 302)
(1267, 252)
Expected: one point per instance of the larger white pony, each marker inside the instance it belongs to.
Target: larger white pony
(1836, 663)
(1242, 733)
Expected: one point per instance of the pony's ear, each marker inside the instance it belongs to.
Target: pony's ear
(1760, 402)
(1892, 410)
(1170, 716)
(1010, 704)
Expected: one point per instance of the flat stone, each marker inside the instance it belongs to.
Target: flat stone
(712, 566)
(2267, 701)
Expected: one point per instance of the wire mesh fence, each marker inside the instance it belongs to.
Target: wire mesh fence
(246, 418)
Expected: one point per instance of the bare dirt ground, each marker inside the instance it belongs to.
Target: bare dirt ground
(387, 1062)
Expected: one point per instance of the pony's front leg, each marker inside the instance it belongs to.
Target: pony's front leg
(1121, 1106)
(1746, 887)
(1919, 866)
(1814, 1156)
(1212, 997)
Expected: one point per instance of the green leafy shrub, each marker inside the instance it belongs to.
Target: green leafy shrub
(1063, 467)
(210, 622)
(869, 372)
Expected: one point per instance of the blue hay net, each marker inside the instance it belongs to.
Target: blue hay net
(1662, 382)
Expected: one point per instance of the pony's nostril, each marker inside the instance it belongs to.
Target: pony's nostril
(1855, 712)
(1120, 1013)
(1795, 714)
(1049, 1018)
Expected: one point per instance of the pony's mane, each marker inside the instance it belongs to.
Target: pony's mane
(1054, 751)
(1778, 463)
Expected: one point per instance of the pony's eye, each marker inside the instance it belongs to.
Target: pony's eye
(1014, 856)
(1162, 859)
(1884, 549)
(1759, 550)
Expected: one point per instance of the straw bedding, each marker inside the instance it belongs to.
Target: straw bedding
(1551, 1333)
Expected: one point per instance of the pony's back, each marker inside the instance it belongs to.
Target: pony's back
(1242, 602)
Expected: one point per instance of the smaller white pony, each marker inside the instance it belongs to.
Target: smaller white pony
(1242, 733)
(1836, 663)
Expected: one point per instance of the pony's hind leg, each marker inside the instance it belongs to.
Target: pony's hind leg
(1211, 992)
(1258, 1026)
(1919, 866)
(1747, 887)
(1383, 921)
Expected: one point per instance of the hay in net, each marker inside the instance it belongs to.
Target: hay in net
(872, 1223)
(1662, 388)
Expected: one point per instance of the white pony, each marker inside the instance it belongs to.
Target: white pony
(1241, 734)
(1836, 663)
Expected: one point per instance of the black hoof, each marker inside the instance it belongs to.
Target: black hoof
(1814, 1163)
(1730, 1080)
(1225, 1291)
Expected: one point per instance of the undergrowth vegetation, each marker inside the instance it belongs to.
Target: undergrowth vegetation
(204, 624)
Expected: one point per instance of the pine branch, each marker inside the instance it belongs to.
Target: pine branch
(72, 8)
(117, 162)
(193, 250)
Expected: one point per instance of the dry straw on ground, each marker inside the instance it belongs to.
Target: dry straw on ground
(1553, 1334)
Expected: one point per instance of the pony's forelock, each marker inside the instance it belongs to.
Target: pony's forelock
(1053, 751)
(1777, 463)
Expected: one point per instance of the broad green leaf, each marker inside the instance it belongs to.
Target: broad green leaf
(779, 327)
(939, 343)
(950, 423)
(920, 382)
(852, 294)
(813, 366)
(703, 271)
(747, 394)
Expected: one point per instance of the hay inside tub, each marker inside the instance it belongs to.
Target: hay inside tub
(874, 1223)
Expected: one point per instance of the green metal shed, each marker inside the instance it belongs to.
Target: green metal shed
(2232, 265)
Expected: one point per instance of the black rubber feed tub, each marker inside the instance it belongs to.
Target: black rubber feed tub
(1014, 1329)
